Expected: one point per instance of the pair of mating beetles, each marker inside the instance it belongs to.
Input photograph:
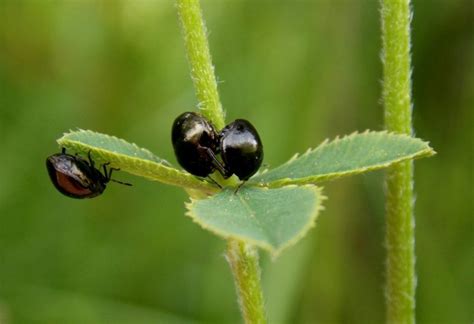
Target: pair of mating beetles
(196, 144)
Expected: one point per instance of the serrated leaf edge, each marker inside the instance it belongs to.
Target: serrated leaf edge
(335, 175)
(274, 252)
(330, 176)
(90, 132)
(337, 139)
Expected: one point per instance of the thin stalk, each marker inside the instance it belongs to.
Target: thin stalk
(400, 222)
(199, 57)
(243, 259)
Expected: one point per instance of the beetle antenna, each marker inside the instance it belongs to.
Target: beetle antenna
(123, 183)
(90, 159)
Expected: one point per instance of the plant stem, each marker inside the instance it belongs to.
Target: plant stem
(400, 223)
(243, 261)
(199, 57)
(243, 258)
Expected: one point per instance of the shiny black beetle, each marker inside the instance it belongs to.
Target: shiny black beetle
(197, 146)
(241, 149)
(76, 177)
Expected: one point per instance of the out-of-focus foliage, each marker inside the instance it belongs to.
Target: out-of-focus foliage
(301, 71)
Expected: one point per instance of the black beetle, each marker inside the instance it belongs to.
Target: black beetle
(75, 177)
(241, 149)
(196, 144)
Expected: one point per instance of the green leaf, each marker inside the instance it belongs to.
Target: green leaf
(130, 158)
(353, 154)
(272, 219)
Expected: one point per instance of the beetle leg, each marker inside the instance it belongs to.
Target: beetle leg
(222, 170)
(238, 187)
(215, 182)
(108, 174)
(104, 168)
(90, 159)
(112, 169)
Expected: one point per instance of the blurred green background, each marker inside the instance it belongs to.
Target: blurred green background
(301, 71)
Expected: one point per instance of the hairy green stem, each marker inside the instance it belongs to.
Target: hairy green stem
(400, 223)
(243, 261)
(199, 57)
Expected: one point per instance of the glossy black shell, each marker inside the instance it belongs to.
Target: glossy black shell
(75, 177)
(241, 149)
(195, 142)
